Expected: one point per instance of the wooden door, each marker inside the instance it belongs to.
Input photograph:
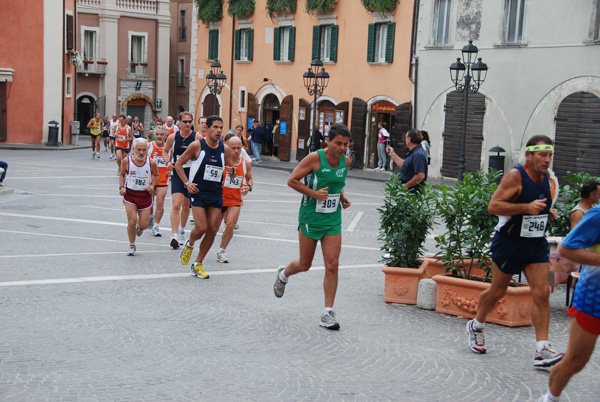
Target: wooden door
(577, 137)
(303, 130)
(285, 116)
(208, 106)
(357, 129)
(453, 133)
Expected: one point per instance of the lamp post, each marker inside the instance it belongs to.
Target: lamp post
(470, 70)
(215, 80)
(315, 82)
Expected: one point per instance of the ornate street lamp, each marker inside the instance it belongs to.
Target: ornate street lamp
(467, 70)
(315, 82)
(215, 80)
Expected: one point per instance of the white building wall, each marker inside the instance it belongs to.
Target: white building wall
(53, 79)
(525, 84)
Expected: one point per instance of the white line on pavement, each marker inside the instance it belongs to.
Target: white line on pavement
(354, 222)
(66, 177)
(160, 276)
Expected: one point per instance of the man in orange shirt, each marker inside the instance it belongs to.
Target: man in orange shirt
(233, 190)
(160, 191)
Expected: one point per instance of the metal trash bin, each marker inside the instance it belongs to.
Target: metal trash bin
(53, 133)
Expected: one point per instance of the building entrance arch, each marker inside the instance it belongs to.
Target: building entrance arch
(85, 112)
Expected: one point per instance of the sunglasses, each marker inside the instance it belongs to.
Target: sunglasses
(186, 121)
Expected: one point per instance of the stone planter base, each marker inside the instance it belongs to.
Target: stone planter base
(457, 296)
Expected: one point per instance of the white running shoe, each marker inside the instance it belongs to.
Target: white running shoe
(181, 238)
(132, 250)
(156, 231)
(139, 231)
(93, 155)
(98, 155)
(174, 242)
(222, 257)
(151, 221)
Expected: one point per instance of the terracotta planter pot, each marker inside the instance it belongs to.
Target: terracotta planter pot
(402, 284)
(436, 267)
(457, 296)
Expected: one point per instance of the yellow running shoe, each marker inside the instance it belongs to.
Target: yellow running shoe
(198, 271)
(186, 253)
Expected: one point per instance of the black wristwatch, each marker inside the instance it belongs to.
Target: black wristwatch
(250, 187)
(185, 185)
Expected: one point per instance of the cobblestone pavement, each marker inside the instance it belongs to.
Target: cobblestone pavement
(82, 321)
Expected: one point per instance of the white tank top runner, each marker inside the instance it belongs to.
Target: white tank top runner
(138, 177)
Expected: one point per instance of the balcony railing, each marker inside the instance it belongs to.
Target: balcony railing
(137, 6)
(92, 67)
(138, 69)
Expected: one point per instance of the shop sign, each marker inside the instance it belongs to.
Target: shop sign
(383, 107)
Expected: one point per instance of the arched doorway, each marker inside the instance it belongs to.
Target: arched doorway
(381, 112)
(85, 112)
(577, 137)
(270, 115)
(211, 106)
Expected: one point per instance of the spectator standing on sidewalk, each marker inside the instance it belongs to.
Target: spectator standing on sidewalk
(590, 193)
(382, 139)
(258, 136)
(3, 169)
(413, 169)
(317, 140)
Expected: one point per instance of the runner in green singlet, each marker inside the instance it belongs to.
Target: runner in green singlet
(320, 177)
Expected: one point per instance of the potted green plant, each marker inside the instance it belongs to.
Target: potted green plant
(380, 6)
(210, 10)
(280, 6)
(406, 218)
(465, 253)
(320, 6)
(241, 8)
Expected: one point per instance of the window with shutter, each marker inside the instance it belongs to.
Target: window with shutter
(69, 28)
(213, 44)
(389, 43)
(238, 38)
(333, 45)
(250, 50)
(276, 44)
(292, 44)
(371, 44)
(316, 43)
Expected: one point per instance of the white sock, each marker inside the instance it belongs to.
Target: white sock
(548, 397)
(477, 324)
(539, 345)
(156, 226)
(282, 276)
(221, 250)
(327, 310)
(180, 230)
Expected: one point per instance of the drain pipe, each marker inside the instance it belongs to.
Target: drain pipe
(231, 71)
(414, 61)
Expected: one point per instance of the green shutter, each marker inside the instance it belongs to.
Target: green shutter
(334, 43)
(316, 45)
(389, 43)
(371, 44)
(250, 43)
(292, 43)
(276, 44)
(238, 40)
(213, 44)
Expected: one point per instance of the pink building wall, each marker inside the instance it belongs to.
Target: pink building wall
(24, 54)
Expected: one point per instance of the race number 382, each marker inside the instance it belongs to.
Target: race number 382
(534, 225)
